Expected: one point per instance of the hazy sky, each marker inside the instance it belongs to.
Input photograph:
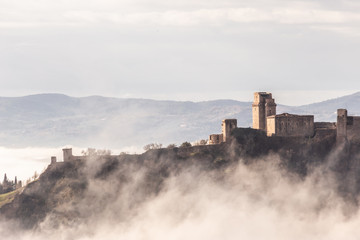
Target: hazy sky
(188, 49)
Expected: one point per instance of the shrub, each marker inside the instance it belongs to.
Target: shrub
(152, 146)
(185, 144)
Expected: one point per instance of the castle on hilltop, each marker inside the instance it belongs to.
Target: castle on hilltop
(265, 119)
(290, 125)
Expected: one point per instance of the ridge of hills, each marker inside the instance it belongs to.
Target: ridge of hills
(57, 119)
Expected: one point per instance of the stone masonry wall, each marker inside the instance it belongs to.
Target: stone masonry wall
(353, 128)
(288, 125)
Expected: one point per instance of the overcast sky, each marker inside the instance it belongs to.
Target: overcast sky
(302, 51)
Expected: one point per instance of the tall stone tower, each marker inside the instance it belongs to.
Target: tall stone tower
(67, 153)
(263, 106)
(227, 126)
(341, 125)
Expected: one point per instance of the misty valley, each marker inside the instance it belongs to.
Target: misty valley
(179, 120)
(287, 177)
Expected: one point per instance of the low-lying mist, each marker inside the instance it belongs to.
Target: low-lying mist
(23, 162)
(261, 200)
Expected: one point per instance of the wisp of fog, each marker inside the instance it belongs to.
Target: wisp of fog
(253, 201)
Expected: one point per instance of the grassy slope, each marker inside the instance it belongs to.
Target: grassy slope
(8, 197)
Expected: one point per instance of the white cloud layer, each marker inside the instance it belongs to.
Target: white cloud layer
(145, 48)
(64, 13)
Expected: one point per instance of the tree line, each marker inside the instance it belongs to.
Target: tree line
(9, 185)
(151, 146)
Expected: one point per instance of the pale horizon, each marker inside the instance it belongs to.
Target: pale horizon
(181, 50)
(289, 98)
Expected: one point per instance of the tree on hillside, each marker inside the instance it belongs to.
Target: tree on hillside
(201, 142)
(7, 185)
(35, 176)
(103, 152)
(171, 146)
(5, 181)
(151, 146)
(28, 181)
(19, 185)
(185, 144)
(96, 152)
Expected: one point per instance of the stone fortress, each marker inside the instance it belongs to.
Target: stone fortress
(67, 156)
(281, 125)
(290, 125)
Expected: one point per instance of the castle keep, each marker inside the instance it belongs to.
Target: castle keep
(263, 107)
(291, 125)
(285, 124)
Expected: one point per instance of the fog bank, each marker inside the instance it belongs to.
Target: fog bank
(256, 201)
(23, 162)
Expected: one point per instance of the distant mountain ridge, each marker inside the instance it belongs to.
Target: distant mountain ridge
(57, 119)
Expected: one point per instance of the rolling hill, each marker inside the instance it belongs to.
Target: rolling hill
(56, 119)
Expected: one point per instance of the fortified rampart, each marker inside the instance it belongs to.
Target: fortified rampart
(227, 126)
(291, 125)
(67, 157)
(215, 138)
(286, 125)
(281, 125)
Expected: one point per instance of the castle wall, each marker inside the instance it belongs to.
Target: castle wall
(353, 128)
(324, 125)
(215, 139)
(289, 125)
(80, 157)
(227, 126)
(270, 126)
(325, 129)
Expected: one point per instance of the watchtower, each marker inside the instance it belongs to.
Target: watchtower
(227, 126)
(216, 139)
(263, 107)
(341, 125)
(67, 154)
(53, 160)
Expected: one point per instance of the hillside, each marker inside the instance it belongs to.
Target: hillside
(53, 119)
(116, 187)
